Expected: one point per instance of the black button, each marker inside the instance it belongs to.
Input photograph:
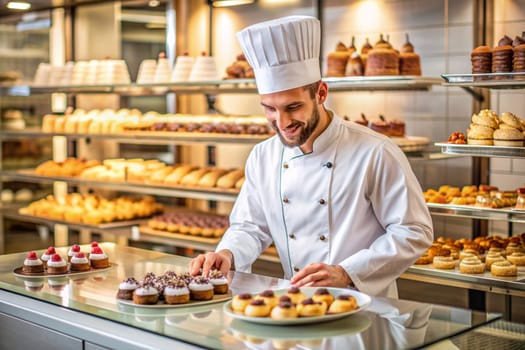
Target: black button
(322, 237)
(291, 235)
(329, 165)
(285, 165)
(322, 201)
(296, 269)
(285, 200)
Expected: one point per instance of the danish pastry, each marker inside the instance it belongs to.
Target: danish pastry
(503, 268)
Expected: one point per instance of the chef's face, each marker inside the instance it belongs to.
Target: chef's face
(293, 114)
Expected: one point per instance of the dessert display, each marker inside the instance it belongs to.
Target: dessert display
(172, 289)
(191, 223)
(337, 60)
(506, 57)
(240, 69)
(32, 264)
(56, 265)
(98, 259)
(79, 262)
(204, 69)
(109, 121)
(92, 209)
(483, 196)
(69, 167)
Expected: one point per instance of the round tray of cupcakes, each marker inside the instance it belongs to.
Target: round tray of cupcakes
(52, 263)
(171, 290)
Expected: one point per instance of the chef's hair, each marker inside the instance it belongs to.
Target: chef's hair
(312, 88)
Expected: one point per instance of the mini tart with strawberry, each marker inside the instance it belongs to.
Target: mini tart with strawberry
(47, 255)
(98, 259)
(79, 262)
(32, 264)
(56, 265)
(75, 248)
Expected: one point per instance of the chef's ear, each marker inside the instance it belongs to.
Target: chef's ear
(322, 92)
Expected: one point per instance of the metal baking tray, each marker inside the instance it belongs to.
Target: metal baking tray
(470, 211)
(482, 151)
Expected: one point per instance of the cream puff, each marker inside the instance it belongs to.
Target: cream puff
(257, 308)
(343, 303)
(269, 297)
(296, 295)
(240, 301)
(323, 295)
(283, 310)
(309, 308)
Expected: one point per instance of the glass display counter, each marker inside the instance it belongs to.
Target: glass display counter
(83, 309)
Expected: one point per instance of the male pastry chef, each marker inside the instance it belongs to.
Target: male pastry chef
(339, 201)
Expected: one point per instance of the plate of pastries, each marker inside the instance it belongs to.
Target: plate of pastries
(294, 305)
(172, 289)
(78, 260)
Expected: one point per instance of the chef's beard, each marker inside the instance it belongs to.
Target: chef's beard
(306, 131)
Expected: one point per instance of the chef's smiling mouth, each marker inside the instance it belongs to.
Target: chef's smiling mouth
(291, 129)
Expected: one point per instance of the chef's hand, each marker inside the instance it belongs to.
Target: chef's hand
(222, 260)
(321, 275)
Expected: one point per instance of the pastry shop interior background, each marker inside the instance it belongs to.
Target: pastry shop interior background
(63, 53)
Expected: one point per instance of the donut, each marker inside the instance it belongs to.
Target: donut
(283, 310)
(517, 258)
(503, 268)
(471, 265)
(343, 303)
(269, 297)
(323, 295)
(257, 308)
(240, 301)
(295, 295)
(309, 308)
(444, 262)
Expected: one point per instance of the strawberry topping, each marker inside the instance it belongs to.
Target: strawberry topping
(32, 256)
(94, 244)
(56, 257)
(96, 250)
(75, 248)
(80, 255)
(50, 251)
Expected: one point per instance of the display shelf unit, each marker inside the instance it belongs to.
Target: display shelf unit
(482, 151)
(465, 211)
(488, 80)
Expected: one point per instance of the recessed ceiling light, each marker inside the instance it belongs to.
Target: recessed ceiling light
(153, 3)
(18, 5)
(228, 3)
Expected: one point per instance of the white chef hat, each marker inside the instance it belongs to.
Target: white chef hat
(284, 53)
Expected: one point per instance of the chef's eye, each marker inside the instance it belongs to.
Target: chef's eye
(269, 109)
(293, 107)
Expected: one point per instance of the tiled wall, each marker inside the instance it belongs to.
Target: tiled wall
(509, 19)
(442, 33)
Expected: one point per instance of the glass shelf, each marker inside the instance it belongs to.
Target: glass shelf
(465, 211)
(224, 86)
(482, 151)
(228, 195)
(488, 80)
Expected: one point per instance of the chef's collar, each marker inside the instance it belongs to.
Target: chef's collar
(322, 142)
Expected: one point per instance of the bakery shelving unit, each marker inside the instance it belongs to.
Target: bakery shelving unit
(211, 88)
(507, 286)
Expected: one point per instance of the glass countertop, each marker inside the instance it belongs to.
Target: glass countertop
(384, 324)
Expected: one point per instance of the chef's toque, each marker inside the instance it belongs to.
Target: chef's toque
(284, 53)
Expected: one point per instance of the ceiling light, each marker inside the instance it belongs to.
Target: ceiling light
(153, 3)
(18, 5)
(228, 3)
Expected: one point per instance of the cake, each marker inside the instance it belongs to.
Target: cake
(200, 289)
(502, 56)
(75, 248)
(98, 259)
(382, 61)
(182, 69)
(79, 262)
(337, 60)
(219, 282)
(146, 73)
(409, 62)
(162, 70)
(56, 265)
(176, 293)
(364, 51)
(240, 69)
(204, 69)
(126, 288)
(32, 264)
(355, 66)
(47, 255)
(381, 126)
(397, 128)
(481, 60)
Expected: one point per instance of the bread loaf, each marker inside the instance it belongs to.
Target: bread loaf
(229, 180)
(210, 179)
(193, 177)
(177, 174)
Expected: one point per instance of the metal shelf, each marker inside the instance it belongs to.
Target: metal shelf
(138, 187)
(482, 151)
(472, 212)
(488, 80)
(224, 86)
(150, 137)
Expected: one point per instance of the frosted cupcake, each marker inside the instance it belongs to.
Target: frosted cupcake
(146, 295)
(75, 248)
(126, 288)
(176, 293)
(219, 282)
(80, 262)
(56, 265)
(47, 255)
(98, 259)
(201, 289)
(32, 264)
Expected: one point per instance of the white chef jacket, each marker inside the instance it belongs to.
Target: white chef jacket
(354, 201)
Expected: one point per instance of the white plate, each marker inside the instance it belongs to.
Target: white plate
(363, 301)
(217, 298)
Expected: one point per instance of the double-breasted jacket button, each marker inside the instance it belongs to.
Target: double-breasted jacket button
(329, 165)
(322, 237)
(322, 201)
(291, 235)
(285, 200)
(296, 269)
(285, 165)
